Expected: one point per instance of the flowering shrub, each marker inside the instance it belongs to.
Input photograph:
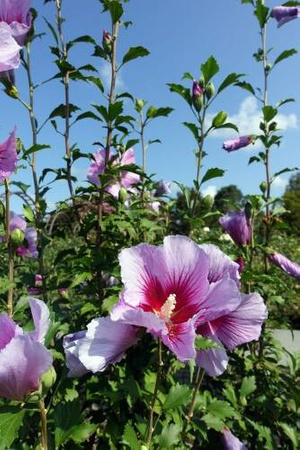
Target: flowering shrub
(153, 322)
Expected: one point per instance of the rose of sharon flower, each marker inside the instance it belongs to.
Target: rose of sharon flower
(9, 51)
(175, 291)
(8, 157)
(29, 251)
(285, 264)
(237, 226)
(127, 179)
(23, 357)
(231, 442)
(15, 13)
(104, 343)
(284, 14)
(236, 144)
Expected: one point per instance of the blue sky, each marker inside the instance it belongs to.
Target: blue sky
(180, 36)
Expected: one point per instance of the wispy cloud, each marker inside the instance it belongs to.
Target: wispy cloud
(280, 182)
(248, 118)
(105, 75)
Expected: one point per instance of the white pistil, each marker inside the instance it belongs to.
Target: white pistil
(168, 308)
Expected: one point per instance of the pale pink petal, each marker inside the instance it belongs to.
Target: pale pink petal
(181, 340)
(8, 330)
(9, 50)
(8, 157)
(214, 361)
(41, 318)
(71, 344)
(231, 442)
(220, 265)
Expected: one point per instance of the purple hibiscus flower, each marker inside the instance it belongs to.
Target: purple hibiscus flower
(284, 14)
(23, 357)
(236, 144)
(126, 180)
(29, 251)
(231, 442)
(285, 264)
(237, 226)
(8, 157)
(15, 13)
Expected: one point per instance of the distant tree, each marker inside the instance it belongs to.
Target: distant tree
(291, 199)
(228, 196)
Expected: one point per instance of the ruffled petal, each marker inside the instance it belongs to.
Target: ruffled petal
(8, 330)
(9, 50)
(105, 343)
(71, 344)
(22, 362)
(231, 442)
(8, 151)
(181, 340)
(213, 360)
(220, 265)
(242, 325)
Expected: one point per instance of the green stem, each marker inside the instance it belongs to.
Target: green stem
(43, 413)
(199, 160)
(10, 294)
(197, 385)
(158, 378)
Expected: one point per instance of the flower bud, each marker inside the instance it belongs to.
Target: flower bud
(2, 210)
(208, 201)
(17, 237)
(201, 82)
(12, 91)
(123, 195)
(219, 119)
(47, 380)
(107, 41)
(272, 126)
(248, 210)
(263, 187)
(197, 96)
(139, 105)
(63, 292)
(210, 90)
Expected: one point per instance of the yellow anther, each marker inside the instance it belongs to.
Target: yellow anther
(168, 307)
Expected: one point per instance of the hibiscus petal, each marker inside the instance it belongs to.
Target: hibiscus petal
(213, 360)
(181, 340)
(8, 330)
(8, 151)
(105, 343)
(231, 442)
(242, 325)
(9, 50)
(41, 318)
(71, 344)
(22, 362)
(220, 265)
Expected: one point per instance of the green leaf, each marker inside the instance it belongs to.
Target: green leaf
(269, 113)
(221, 409)
(261, 13)
(115, 8)
(193, 129)
(253, 159)
(246, 86)
(51, 28)
(290, 432)
(178, 396)
(210, 68)
(67, 417)
(203, 343)
(182, 91)
(284, 55)
(219, 119)
(11, 418)
(283, 102)
(213, 422)
(88, 115)
(135, 52)
(61, 111)
(170, 436)
(286, 170)
(214, 172)
(232, 78)
(83, 432)
(187, 76)
(85, 39)
(114, 110)
(153, 112)
(230, 395)
(35, 148)
(232, 126)
(130, 438)
(248, 386)
(80, 278)
(28, 213)
(96, 81)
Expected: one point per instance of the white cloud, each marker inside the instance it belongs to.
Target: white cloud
(210, 190)
(248, 118)
(280, 182)
(105, 75)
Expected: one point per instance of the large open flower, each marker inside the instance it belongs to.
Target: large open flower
(170, 290)
(23, 357)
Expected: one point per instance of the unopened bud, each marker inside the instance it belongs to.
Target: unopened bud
(201, 82)
(139, 105)
(17, 237)
(123, 195)
(63, 292)
(210, 90)
(197, 96)
(263, 187)
(12, 91)
(2, 210)
(47, 380)
(273, 126)
(248, 210)
(107, 41)
(268, 67)
(208, 201)
(219, 119)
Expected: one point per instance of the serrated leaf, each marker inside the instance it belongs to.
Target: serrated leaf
(261, 13)
(210, 68)
(170, 436)
(182, 91)
(11, 418)
(178, 396)
(83, 432)
(214, 172)
(35, 148)
(246, 86)
(80, 278)
(269, 113)
(61, 111)
(284, 55)
(187, 76)
(213, 422)
(193, 129)
(115, 8)
(135, 52)
(290, 432)
(286, 170)
(232, 78)
(130, 438)
(28, 213)
(203, 343)
(248, 386)
(221, 409)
